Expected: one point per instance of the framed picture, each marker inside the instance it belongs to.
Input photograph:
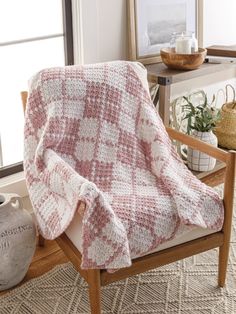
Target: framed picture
(152, 22)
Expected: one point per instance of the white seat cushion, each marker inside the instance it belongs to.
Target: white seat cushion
(184, 234)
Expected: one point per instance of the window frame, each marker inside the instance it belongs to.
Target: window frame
(69, 60)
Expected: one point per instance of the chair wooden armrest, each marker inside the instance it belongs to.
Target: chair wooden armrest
(229, 158)
(195, 143)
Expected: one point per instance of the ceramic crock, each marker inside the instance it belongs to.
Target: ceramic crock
(17, 240)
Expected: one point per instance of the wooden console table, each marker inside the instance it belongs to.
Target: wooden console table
(159, 74)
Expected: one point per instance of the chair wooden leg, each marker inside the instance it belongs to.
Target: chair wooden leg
(223, 263)
(94, 282)
(229, 185)
(41, 240)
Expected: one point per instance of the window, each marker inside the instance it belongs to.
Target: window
(35, 34)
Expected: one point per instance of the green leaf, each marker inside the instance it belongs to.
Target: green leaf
(201, 116)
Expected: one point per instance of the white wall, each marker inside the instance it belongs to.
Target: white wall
(104, 27)
(104, 36)
(219, 22)
(104, 30)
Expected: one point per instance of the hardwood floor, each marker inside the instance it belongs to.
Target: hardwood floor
(45, 258)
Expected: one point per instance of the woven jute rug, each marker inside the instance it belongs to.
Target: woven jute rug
(187, 286)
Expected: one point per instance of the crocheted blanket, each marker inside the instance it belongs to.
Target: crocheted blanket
(92, 135)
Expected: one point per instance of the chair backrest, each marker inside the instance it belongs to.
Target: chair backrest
(24, 96)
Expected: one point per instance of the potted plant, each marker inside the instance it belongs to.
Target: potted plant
(201, 120)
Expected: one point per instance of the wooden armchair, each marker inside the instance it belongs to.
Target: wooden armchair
(97, 278)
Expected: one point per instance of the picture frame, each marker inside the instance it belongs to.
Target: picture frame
(151, 22)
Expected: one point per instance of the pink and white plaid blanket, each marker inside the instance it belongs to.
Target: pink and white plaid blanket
(93, 135)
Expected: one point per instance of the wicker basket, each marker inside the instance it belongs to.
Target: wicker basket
(226, 127)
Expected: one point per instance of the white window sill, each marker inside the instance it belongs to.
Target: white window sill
(14, 183)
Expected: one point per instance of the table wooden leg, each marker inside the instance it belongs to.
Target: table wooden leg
(41, 240)
(164, 104)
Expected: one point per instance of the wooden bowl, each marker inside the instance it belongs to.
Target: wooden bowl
(179, 61)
